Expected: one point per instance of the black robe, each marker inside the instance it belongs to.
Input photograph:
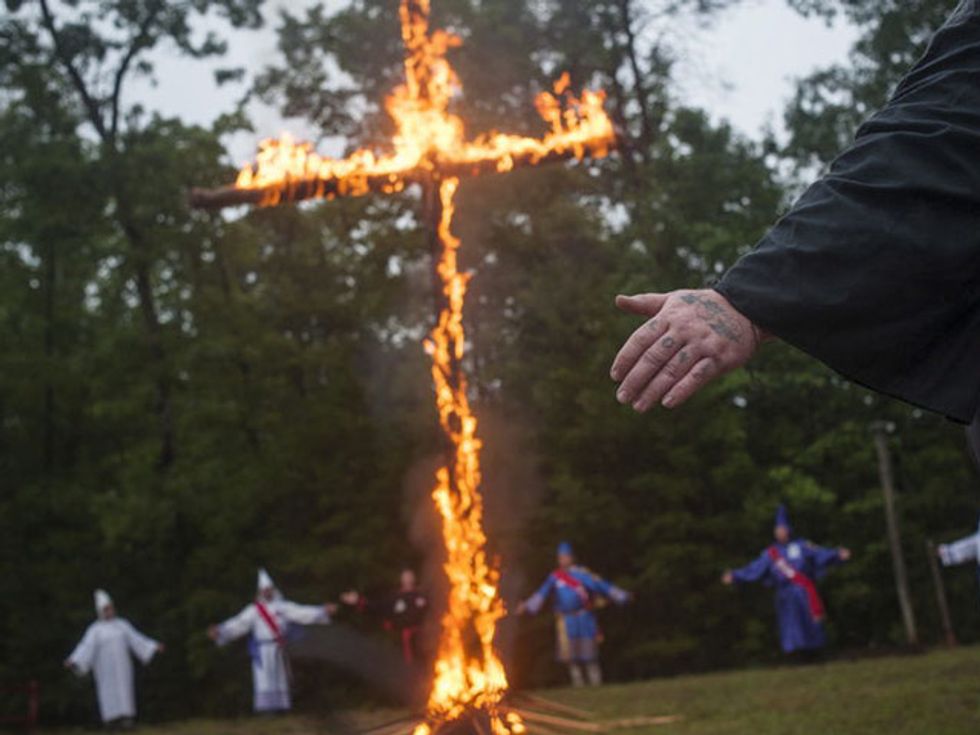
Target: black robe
(876, 269)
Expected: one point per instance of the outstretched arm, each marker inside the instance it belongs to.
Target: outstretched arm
(960, 552)
(599, 586)
(306, 614)
(142, 646)
(535, 602)
(823, 558)
(689, 339)
(81, 659)
(754, 571)
(233, 628)
(873, 271)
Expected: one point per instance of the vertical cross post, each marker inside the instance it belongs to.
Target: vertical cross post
(433, 212)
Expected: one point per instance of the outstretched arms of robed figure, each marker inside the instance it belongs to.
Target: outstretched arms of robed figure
(759, 570)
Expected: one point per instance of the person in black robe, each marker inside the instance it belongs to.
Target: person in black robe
(402, 613)
(875, 270)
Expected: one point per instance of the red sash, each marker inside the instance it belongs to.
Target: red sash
(271, 622)
(576, 584)
(794, 576)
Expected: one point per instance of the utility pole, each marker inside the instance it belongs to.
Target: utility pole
(887, 475)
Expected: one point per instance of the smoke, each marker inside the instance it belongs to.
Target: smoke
(372, 660)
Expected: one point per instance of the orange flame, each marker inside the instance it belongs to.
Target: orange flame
(462, 682)
(428, 137)
(430, 144)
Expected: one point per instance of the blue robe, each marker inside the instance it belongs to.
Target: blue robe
(577, 628)
(798, 630)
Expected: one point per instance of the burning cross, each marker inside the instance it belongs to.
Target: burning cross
(430, 148)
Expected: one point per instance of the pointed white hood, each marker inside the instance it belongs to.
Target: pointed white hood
(265, 583)
(102, 601)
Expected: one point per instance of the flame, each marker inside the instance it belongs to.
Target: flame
(428, 137)
(463, 681)
(430, 144)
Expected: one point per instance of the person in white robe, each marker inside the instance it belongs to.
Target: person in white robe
(962, 551)
(267, 621)
(107, 650)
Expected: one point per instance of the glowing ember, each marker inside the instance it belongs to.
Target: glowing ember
(430, 146)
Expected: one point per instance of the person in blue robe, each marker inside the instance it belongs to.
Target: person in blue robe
(576, 592)
(793, 567)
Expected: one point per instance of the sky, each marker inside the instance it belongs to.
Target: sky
(741, 69)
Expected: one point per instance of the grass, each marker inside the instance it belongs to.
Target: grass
(931, 694)
(937, 693)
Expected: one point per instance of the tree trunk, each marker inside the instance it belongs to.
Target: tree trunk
(163, 403)
(626, 21)
(894, 536)
(108, 135)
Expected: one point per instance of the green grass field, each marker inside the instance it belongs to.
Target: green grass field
(931, 694)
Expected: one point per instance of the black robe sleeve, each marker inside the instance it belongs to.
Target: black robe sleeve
(876, 269)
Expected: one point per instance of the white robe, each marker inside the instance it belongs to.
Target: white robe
(270, 676)
(106, 649)
(962, 551)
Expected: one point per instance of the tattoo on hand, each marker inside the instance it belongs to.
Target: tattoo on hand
(712, 313)
(667, 342)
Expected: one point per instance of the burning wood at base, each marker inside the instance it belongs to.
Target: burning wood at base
(539, 716)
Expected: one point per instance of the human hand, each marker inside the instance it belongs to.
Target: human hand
(331, 608)
(844, 554)
(728, 578)
(214, 633)
(161, 648)
(690, 338)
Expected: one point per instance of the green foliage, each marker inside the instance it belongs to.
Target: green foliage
(184, 396)
(831, 103)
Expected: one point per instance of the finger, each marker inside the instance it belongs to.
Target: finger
(670, 373)
(647, 304)
(647, 368)
(641, 341)
(700, 375)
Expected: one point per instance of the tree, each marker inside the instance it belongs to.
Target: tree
(831, 103)
(98, 47)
